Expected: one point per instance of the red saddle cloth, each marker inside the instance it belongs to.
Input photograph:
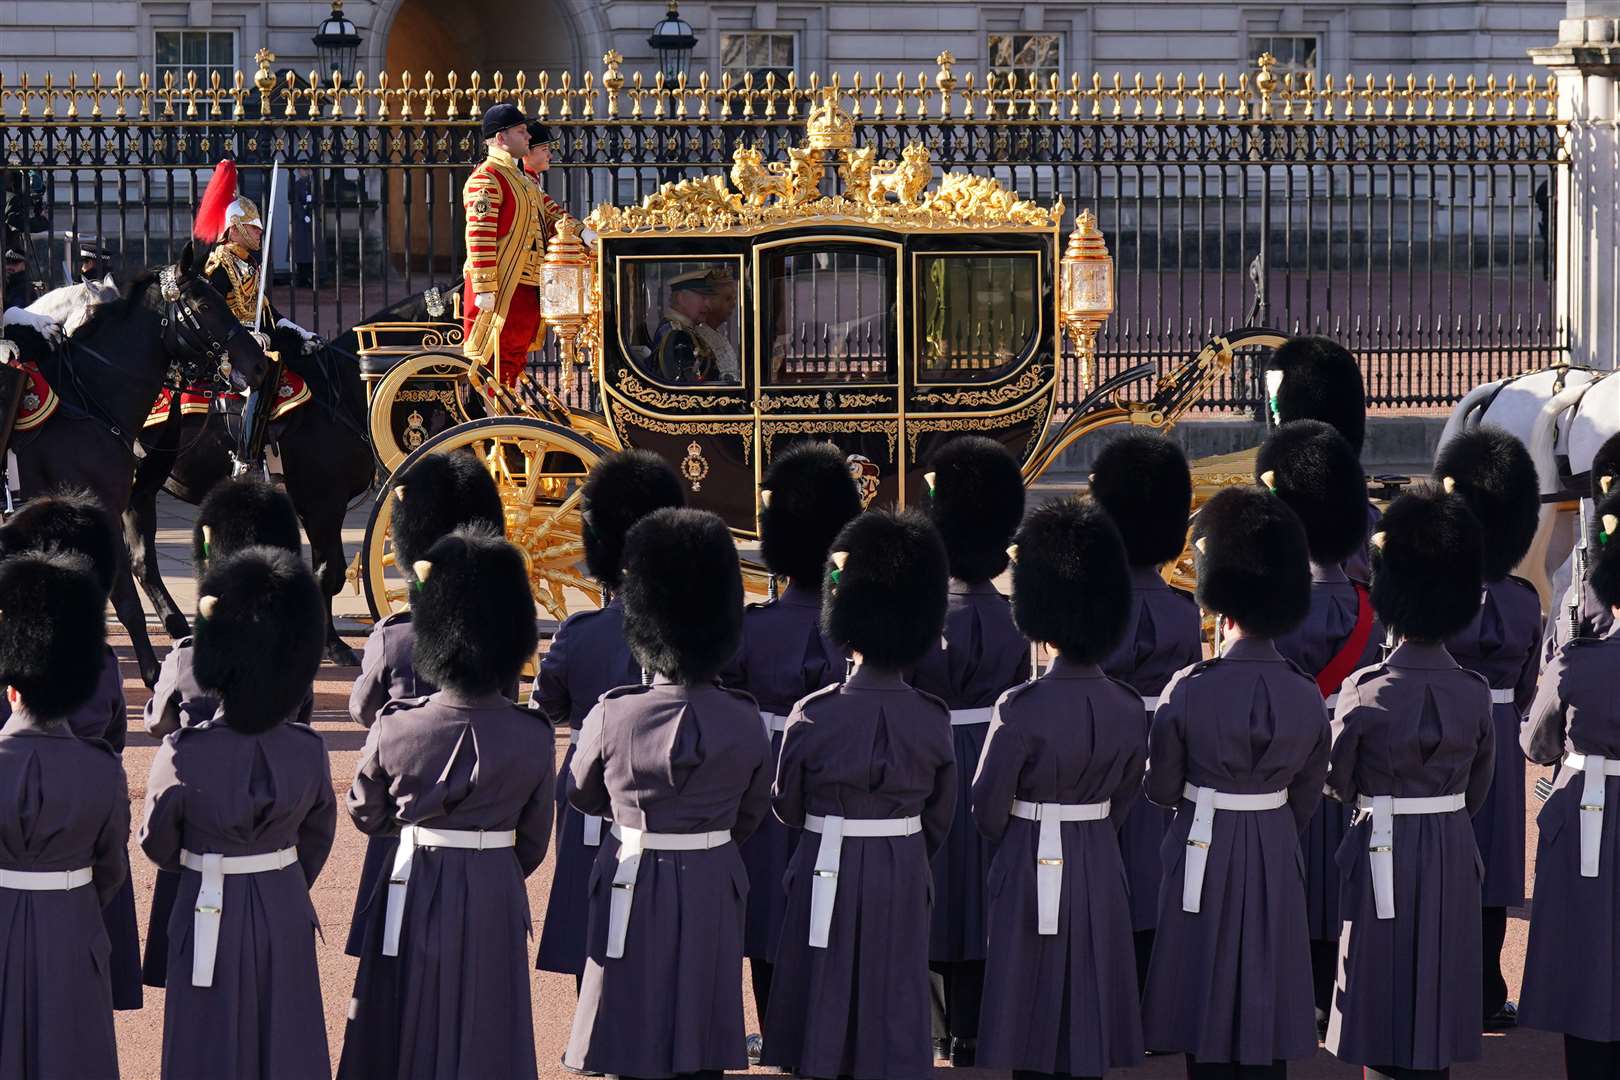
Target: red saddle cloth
(292, 393)
(39, 401)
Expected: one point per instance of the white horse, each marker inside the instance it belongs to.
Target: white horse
(70, 305)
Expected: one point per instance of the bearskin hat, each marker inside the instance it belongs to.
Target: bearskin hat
(53, 630)
(72, 521)
(1253, 561)
(1428, 565)
(436, 496)
(805, 498)
(1606, 469)
(622, 489)
(261, 627)
(1604, 576)
(884, 593)
(1143, 481)
(1069, 579)
(243, 512)
(473, 613)
(1493, 473)
(1311, 467)
(682, 593)
(1320, 380)
(978, 501)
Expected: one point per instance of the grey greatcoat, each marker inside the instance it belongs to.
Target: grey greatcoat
(64, 805)
(455, 1001)
(669, 758)
(214, 790)
(1572, 970)
(1067, 1002)
(1413, 726)
(1232, 983)
(870, 748)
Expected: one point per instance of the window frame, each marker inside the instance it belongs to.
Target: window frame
(1000, 71)
(227, 69)
(737, 73)
(1262, 41)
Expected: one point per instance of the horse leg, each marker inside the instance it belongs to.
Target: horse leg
(127, 603)
(140, 534)
(325, 531)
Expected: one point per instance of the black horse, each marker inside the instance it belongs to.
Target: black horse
(326, 461)
(106, 377)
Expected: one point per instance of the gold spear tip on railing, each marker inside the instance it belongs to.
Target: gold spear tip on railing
(263, 79)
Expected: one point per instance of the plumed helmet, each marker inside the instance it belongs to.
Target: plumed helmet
(243, 512)
(223, 206)
(1142, 479)
(682, 594)
(1069, 579)
(437, 495)
(473, 613)
(1315, 378)
(1604, 575)
(977, 503)
(72, 521)
(1253, 561)
(53, 630)
(1606, 469)
(1311, 467)
(884, 592)
(806, 497)
(1428, 565)
(261, 627)
(1492, 472)
(622, 489)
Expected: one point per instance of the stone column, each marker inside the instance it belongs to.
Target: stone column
(1586, 64)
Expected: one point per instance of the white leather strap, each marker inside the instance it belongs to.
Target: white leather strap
(573, 736)
(1331, 702)
(1502, 697)
(963, 717)
(1049, 851)
(412, 837)
(1151, 704)
(1205, 802)
(775, 723)
(834, 831)
(45, 880)
(632, 842)
(211, 900)
(1595, 770)
(1381, 838)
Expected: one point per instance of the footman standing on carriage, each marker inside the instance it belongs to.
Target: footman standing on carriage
(977, 502)
(683, 769)
(1143, 481)
(1309, 465)
(1239, 746)
(1493, 474)
(1413, 755)
(1060, 770)
(1572, 969)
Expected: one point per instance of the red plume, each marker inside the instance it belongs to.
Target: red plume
(209, 224)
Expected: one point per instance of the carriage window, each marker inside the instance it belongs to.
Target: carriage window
(980, 315)
(678, 319)
(829, 316)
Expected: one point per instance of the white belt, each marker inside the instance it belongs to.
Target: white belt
(1205, 802)
(834, 830)
(1049, 851)
(1594, 791)
(44, 880)
(1331, 702)
(1381, 841)
(1502, 697)
(775, 723)
(963, 717)
(591, 831)
(1151, 704)
(211, 899)
(412, 837)
(632, 842)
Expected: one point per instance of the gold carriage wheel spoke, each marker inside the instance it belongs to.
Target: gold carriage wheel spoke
(567, 578)
(570, 550)
(563, 509)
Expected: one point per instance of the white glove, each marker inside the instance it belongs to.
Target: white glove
(312, 341)
(42, 324)
(484, 301)
(10, 352)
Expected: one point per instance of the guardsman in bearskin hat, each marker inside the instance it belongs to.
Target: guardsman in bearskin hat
(243, 807)
(588, 657)
(683, 769)
(65, 830)
(466, 778)
(977, 502)
(1492, 472)
(868, 770)
(1580, 613)
(77, 523)
(1413, 753)
(1143, 481)
(1239, 746)
(1310, 466)
(806, 498)
(1060, 770)
(1572, 969)
(1316, 378)
(239, 512)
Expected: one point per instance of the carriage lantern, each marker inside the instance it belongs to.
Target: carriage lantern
(565, 287)
(1087, 289)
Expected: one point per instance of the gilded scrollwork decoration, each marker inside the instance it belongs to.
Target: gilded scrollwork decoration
(743, 429)
(1028, 382)
(633, 388)
(890, 429)
(917, 426)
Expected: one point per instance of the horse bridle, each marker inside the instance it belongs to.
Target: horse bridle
(182, 321)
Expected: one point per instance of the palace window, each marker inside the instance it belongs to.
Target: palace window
(759, 52)
(1296, 53)
(203, 51)
(1023, 55)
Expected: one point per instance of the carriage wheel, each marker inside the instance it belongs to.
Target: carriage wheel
(446, 371)
(540, 470)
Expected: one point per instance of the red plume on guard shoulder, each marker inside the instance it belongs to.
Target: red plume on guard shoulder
(209, 224)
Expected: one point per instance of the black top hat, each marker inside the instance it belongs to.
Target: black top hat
(622, 489)
(884, 592)
(1311, 467)
(1428, 562)
(243, 512)
(1253, 563)
(1069, 580)
(977, 503)
(473, 614)
(74, 522)
(53, 631)
(500, 117)
(1320, 381)
(806, 497)
(1142, 479)
(436, 495)
(1494, 474)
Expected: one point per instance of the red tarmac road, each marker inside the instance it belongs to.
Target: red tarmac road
(1520, 1055)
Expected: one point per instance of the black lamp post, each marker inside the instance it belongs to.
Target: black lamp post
(673, 40)
(337, 42)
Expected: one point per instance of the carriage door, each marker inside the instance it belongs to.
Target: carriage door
(827, 352)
